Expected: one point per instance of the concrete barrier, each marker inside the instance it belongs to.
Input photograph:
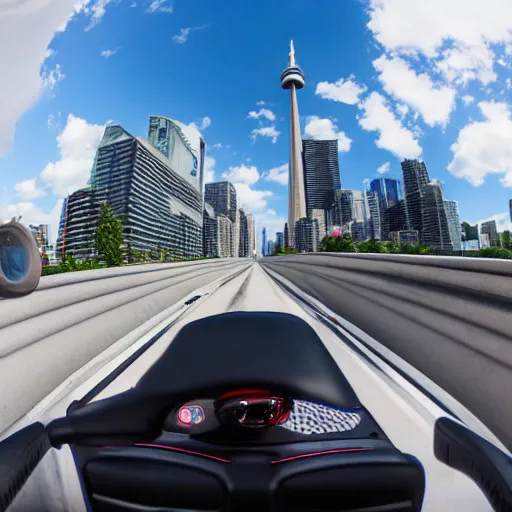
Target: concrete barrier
(72, 317)
(451, 318)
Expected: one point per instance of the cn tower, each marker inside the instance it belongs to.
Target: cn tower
(292, 78)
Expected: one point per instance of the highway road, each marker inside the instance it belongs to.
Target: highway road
(461, 338)
(405, 414)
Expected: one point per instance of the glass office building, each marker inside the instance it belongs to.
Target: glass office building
(454, 226)
(321, 176)
(183, 145)
(158, 208)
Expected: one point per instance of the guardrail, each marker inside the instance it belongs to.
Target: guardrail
(451, 318)
(70, 318)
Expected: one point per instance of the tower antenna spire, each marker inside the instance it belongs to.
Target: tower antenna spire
(292, 79)
(291, 54)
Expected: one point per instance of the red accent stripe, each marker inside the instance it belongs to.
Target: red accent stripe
(316, 454)
(182, 450)
(243, 392)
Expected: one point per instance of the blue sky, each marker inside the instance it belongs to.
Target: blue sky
(388, 78)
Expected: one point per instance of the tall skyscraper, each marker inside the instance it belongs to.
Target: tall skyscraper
(321, 176)
(40, 233)
(342, 207)
(263, 241)
(225, 236)
(158, 208)
(389, 191)
(78, 221)
(210, 232)
(222, 197)
(279, 239)
(452, 215)
(292, 78)
(286, 235)
(415, 178)
(489, 229)
(395, 219)
(435, 232)
(306, 235)
(358, 207)
(243, 246)
(373, 215)
(510, 208)
(182, 145)
(251, 236)
(321, 219)
(236, 235)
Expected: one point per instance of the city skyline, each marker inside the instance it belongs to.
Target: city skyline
(358, 92)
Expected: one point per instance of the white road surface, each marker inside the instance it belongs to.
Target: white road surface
(405, 415)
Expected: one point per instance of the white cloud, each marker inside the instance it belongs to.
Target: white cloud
(28, 189)
(425, 26)
(182, 37)
(468, 99)
(384, 168)
(52, 77)
(461, 64)
(392, 135)
(262, 112)
(366, 182)
(133, 4)
(343, 90)
(77, 145)
(402, 109)
(260, 103)
(277, 174)
(271, 212)
(108, 53)
(251, 200)
(325, 129)
(32, 214)
(471, 27)
(265, 131)
(202, 124)
(209, 169)
(242, 174)
(217, 146)
(40, 21)
(508, 83)
(96, 10)
(49, 53)
(54, 121)
(503, 222)
(433, 102)
(485, 147)
(159, 6)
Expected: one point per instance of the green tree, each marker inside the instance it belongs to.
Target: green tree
(392, 247)
(495, 252)
(371, 246)
(344, 244)
(108, 237)
(506, 240)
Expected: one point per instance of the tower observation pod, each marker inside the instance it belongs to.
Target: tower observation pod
(292, 78)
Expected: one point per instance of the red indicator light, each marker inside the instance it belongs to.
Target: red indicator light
(191, 415)
(185, 416)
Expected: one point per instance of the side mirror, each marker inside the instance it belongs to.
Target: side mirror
(488, 466)
(20, 261)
